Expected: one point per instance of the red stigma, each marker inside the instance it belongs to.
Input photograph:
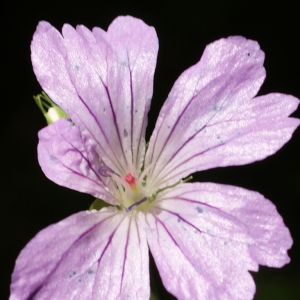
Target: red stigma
(129, 178)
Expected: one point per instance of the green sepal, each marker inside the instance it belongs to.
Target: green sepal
(50, 110)
(98, 204)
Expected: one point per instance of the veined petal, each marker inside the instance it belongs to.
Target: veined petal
(67, 158)
(89, 255)
(205, 237)
(210, 118)
(130, 81)
(103, 80)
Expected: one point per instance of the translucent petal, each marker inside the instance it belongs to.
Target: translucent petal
(210, 118)
(205, 237)
(67, 158)
(90, 255)
(103, 81)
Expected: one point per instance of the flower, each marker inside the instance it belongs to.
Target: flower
(204, 237)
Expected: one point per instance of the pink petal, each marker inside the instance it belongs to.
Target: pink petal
(103, 81)
(131, 81)
(67, 158)
(205, 237)
(210, 118)
(89, 255)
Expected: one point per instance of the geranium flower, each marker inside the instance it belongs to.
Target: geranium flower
(204, 237)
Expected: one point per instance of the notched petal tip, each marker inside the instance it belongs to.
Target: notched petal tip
(67, 29)
(134, 33)
(43, 26)
(125, 22)
(93, 255)
(207, 237)
(216, 120)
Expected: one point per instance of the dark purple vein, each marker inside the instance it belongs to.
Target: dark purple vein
(125, 254)
(104, 250)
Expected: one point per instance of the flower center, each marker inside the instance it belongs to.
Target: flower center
(127, 190)
(130, 191)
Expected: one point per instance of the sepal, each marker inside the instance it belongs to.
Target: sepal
(98, 204)
(50, 110)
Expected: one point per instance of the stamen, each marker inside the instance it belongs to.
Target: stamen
(105, 171)
(152, 198)
(145, 172)
(128, 209)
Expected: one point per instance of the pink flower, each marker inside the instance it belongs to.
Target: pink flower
(204, 237)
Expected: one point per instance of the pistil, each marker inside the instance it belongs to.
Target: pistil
(130, 179)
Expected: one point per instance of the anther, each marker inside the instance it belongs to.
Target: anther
(105, 171)
(128, 209)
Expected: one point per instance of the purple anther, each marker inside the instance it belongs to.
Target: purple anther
(105, 171)
(128, 209)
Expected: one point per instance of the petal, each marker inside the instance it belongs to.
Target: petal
(90, 255)
(103, 81)
(211, 119)
(205, 237)
(67, 158)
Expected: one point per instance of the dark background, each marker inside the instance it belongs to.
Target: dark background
(30, 202)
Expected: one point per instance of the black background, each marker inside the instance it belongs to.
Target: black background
(30, 202)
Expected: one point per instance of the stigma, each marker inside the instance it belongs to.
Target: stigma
(130, 179)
